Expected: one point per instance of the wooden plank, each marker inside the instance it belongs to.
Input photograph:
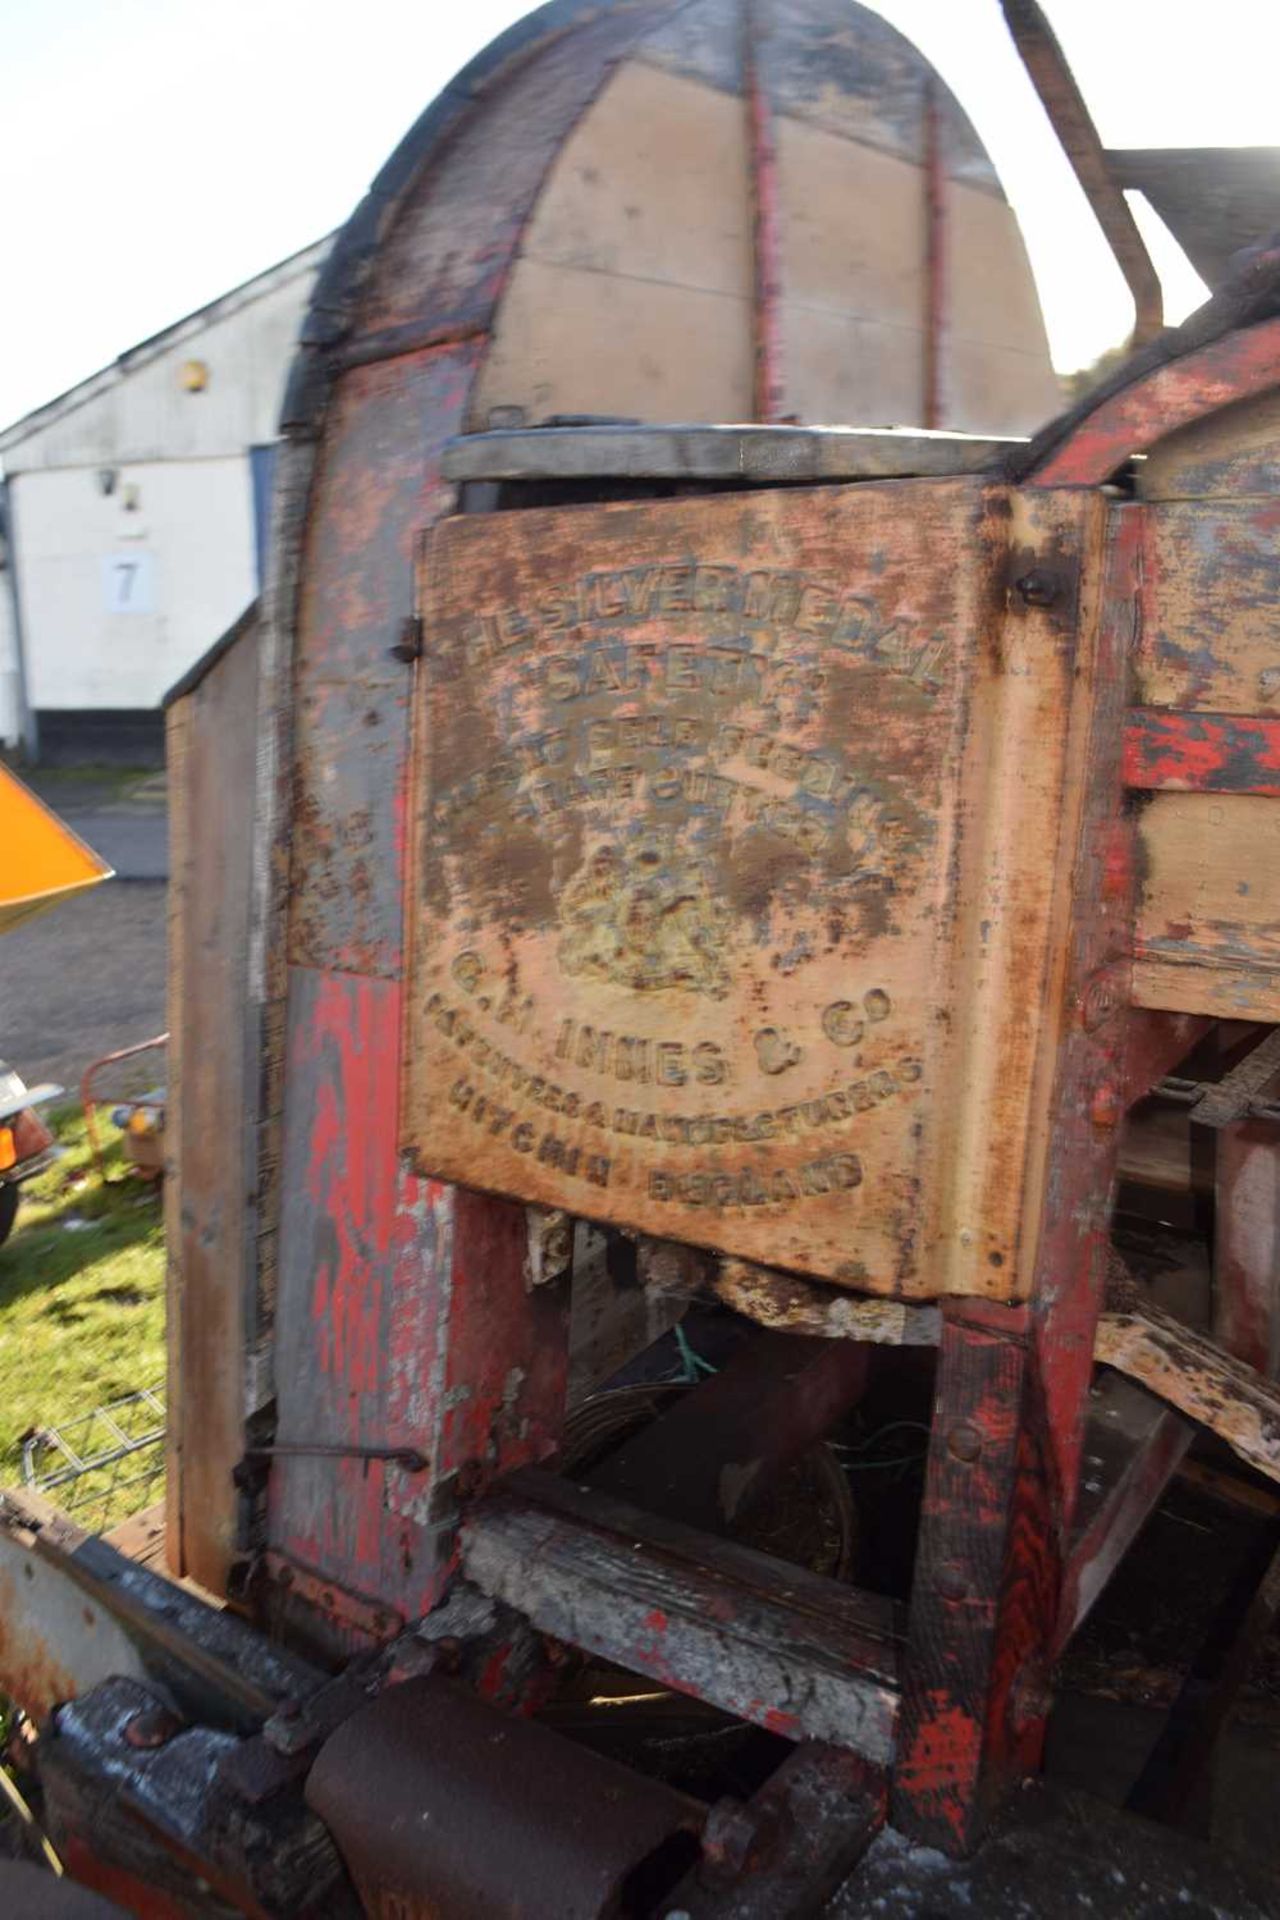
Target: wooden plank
(1193, 1374)
(1208, 928)
(405, 1314)
(1155, 1044)
(1012, 1385)
(1202, 752)
(1228, 454)
(751, 455)
(804, 1657)
(212, 735)
(794, 1304)
(941, 1785)
(1133, 1445)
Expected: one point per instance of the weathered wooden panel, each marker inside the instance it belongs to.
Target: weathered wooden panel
(808, 1658)
(695, 952)
(404, 1315)
(1233, 453)
(1209, 636)
(1193, 1374)
(210, 744)
(619, 305)
(447, 257)
(1208, 930)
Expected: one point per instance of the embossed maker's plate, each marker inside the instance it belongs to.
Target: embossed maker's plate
(687, 792)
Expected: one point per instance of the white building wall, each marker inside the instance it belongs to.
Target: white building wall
(10, 675)
(131, 501)
(117, 600)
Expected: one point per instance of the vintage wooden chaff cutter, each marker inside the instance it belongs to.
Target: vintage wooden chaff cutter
(622, 865)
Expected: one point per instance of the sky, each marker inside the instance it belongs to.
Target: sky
(158, 152)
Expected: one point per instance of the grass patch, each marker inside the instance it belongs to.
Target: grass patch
(81, 1301)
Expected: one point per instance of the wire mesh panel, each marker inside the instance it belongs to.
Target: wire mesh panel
(103, 1465)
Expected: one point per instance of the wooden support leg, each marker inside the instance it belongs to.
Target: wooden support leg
(985, 1587)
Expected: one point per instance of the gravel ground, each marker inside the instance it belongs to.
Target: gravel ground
(83, 979)
(88, 975)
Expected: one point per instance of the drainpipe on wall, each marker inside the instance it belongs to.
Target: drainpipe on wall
(28, 730)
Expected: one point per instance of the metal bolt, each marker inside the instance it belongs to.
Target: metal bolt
(1106, 1109)
(1098, 1004)
(1037, 588)
(150, 1728)
(964, 1442)
(409, 645)
(951, 1584)
(470, 1479)
(733, 1838)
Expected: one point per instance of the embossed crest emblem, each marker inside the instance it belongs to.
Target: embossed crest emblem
(643, 917)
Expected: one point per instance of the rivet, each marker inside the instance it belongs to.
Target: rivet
(1038, 589)
(964, 1441)
(151, 1728)
(951, 1584)
(1106, 1109)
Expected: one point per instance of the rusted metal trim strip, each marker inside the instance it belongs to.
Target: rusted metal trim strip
(1234, 367)
(1169, 750)
(766, 244)
(935, 257)
(392, 343)
(1051, 76)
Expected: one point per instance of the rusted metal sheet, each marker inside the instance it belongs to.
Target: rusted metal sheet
(52, 1644)
(784, 1854)
(689, 895)
(1236, 366)
(75, 1611)
(441, 1805)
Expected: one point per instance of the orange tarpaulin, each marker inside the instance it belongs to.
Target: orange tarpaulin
(41, 860)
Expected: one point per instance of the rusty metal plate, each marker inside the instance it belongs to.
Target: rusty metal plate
(685, 942)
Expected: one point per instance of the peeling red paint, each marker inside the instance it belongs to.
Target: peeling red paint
(1167, 748)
